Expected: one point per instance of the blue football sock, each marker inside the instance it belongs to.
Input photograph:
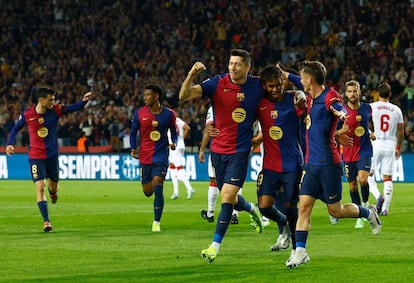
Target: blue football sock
(363, 212)
(365, 192)
(274, 214)
(43, 210)
(158, 202)
(292, 217)
(301, 238)
(355, 197)
(242, 204)
(223, 222)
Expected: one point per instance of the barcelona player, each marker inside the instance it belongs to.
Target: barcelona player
(234, 96)
(357, 159)
(283, 158)
(42, 120)
(322, 175)
(152, 122)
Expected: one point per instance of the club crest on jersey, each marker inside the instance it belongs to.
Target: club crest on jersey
(274, 114)
(358, 118)
(155, 123)
(240, 96)
(41, 120)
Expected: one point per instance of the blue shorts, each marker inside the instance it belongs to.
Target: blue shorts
(230, 168)
(269, 183)
(322, 182)
(352, 168)
(149, 171)
(41, 169)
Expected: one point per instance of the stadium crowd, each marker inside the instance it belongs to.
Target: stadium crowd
(115, 48)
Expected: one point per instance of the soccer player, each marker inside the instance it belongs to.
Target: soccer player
(42, 120)
(235, 96)
(152, 122)
(322, 176)
(177, 161)
(389, 134)
(357, 159)
(282, 159)
(212, 188)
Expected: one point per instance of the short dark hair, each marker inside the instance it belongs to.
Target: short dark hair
(270, 73)
(44, 91)
(316, 69)
(157, 89)
(384, 90)
(247, 59)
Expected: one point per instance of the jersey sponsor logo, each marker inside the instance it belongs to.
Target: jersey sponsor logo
(155, 135)
(238, 115)
(42, 132)
(359, 131)
(275, 133)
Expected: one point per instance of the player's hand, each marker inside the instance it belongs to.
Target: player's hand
(10, 150)
(299, 99)
(256, 141)
(372, 136)
(201, 157)
(134, 153)
(345, 140)
(197, 68)
(212, 132)
(285, 75)
(172, 146)
(87, 96)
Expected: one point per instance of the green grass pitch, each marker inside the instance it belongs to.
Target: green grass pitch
(102, 233)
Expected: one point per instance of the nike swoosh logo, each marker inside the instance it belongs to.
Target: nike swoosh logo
(332, 197)
(223, 222)
(227, 89)
(31, 119)
(234, 179)
(263, 108)
(145, 118)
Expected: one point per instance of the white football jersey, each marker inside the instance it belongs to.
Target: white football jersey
(179, 124)
(210, 115)
(386, 117)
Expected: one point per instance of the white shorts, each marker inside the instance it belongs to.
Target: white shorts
(177, 157)
(384, 161)
(211, 170)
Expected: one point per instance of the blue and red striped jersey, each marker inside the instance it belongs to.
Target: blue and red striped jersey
(43, 129)
(321, 124)
(358, 122)
(234, 108)
(153, 139)
(280, 129)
